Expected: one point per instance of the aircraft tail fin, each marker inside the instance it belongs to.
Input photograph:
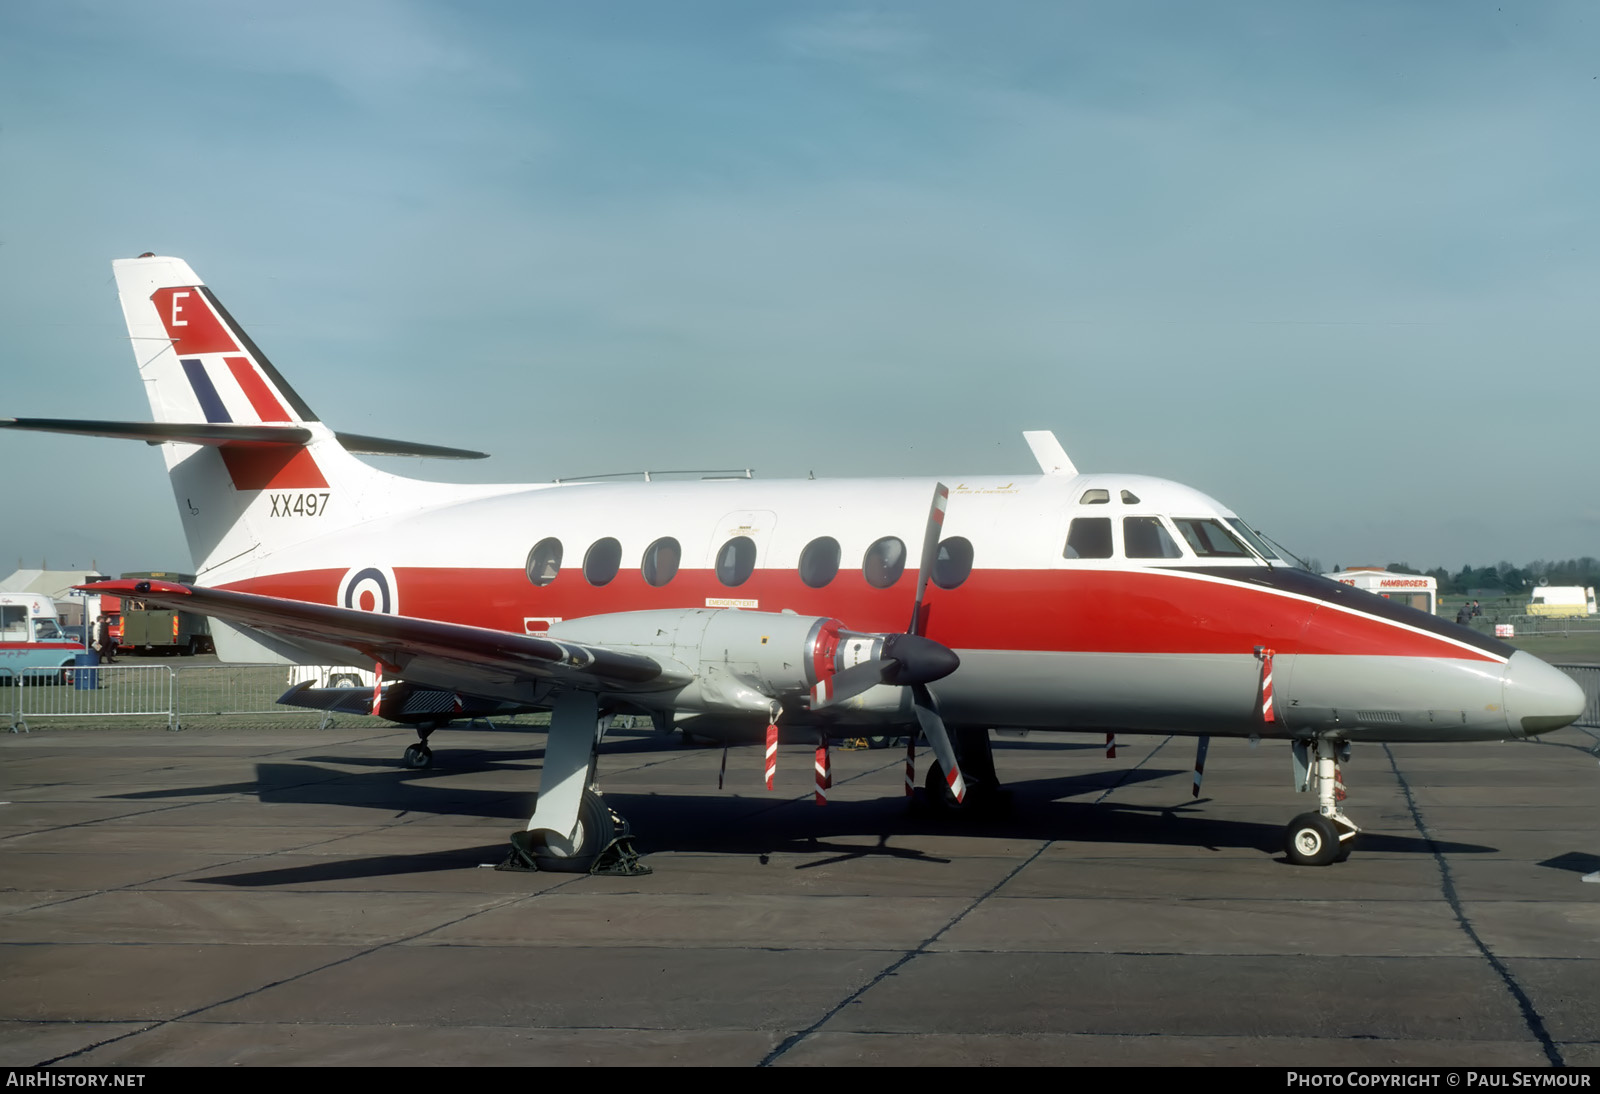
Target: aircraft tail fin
(252, 466)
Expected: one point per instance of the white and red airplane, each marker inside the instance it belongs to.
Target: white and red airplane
(1100, 603)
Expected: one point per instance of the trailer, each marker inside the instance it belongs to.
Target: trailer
(1562, 601)
(1417, 591)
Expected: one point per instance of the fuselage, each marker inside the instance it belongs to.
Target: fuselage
(1090, 602)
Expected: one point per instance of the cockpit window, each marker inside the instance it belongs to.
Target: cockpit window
(1088, 537)
(1146, 537)
(1209, 539)
(1130, 498)
(1095, 497)
(1253, 539)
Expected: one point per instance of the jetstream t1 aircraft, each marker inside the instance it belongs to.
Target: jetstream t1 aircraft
(1059, 600)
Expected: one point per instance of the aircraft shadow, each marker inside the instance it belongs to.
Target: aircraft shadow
(740, 824)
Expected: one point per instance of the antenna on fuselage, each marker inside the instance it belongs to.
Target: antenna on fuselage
(1053, 459)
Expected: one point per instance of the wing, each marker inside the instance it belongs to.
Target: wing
(472, 659)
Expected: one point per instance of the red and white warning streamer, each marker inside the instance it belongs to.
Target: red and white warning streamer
(377, 687)
(1266, 656)
(824, 765)
(772, 754)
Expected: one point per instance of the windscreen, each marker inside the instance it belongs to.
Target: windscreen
(1253, 540)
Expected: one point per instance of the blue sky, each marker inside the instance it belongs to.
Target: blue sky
(1334, 264)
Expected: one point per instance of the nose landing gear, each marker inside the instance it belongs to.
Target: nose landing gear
(1326, 836)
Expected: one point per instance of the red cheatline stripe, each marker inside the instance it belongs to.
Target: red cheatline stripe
(266, 405)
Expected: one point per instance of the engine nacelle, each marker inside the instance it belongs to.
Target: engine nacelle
(735, 661)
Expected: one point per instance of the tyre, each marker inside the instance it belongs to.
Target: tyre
(1312, 840)
(418, 756)
(597, 828)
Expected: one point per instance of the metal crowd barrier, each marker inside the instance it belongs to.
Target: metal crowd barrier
(160, 693)
(1588, 678)
(100, 691)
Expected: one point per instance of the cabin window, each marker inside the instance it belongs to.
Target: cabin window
(1210, 539)
(544, 561)
(954, 562)
(661, 561)
(45, 630)
(736, 561)
(1088, 537)
(1095, 497)
(819, 562)
(13, 622)
(885, 561)
(601, 561)
(1146, 537)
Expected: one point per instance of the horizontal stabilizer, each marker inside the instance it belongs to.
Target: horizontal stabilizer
(379, 446)
(217, 434)
(209, 433)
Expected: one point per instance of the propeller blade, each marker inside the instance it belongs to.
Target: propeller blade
(927, 711)
(930, 554)
(850, 683)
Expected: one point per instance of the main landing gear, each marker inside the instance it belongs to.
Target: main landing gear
(572, 829)
(1326, 836)
(976, 756)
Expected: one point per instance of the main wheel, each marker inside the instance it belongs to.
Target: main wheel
(597, 828)
(1312, 840)
(418, 756)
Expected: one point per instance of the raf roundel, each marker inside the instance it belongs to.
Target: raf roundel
(370, 589)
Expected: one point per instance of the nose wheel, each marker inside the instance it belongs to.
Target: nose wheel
(419, 756)
(1326, 836)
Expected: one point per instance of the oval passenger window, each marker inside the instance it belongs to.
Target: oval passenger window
(884, 563)
(661, 560)
(736, 561)
(953, 563)
(544, 561)
(602, 560)
(819, 562)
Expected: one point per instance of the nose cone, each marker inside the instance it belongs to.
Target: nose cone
(1538, 697)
